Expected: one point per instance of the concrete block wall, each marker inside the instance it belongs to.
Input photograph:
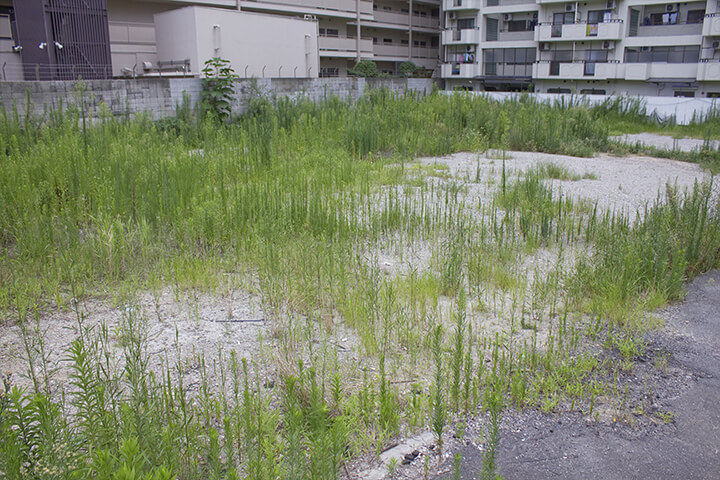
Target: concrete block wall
(159, 97)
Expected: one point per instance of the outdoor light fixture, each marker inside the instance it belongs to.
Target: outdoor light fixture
(17, 48)
(58, 45)
(42, 45)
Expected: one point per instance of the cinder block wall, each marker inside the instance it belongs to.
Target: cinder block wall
(159, 97)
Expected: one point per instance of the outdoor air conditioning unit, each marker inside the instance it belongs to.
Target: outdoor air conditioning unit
(544, 46)
(535, 16)
(311, 18)
(507, 17)
(452, 15)
(716, 44)
(670, 7)
(610, 4)
(570, 7)
(608, 45)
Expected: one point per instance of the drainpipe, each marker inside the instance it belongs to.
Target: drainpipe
(357, 33)
(237, 5)
(410, 31)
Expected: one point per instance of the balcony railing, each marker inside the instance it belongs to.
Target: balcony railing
(459, 70)
(402, 19)
(711, 25)
(343, 46)
(462, 4)
(610, 30)
(508, 69)
(577, 70)
(503, 3)
(669, 30)
(391, 50)
(505, 36)
(345, 6)
(466, 35)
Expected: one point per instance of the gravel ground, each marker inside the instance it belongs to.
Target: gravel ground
(664, 142)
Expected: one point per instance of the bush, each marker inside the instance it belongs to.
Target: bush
(364, 68)
(407, 69)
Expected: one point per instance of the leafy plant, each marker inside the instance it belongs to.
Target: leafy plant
(217, 87)
(407, 69)
(364, 68)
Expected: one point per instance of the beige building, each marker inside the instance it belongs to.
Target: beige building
(642, 47)
(386, 31)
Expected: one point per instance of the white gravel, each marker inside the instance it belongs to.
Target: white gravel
(664, 142)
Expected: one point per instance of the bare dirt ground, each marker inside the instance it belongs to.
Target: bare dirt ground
(676, 436)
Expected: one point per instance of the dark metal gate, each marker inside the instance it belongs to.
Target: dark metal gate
(79, 32)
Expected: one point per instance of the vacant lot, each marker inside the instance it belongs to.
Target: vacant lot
(298, 293)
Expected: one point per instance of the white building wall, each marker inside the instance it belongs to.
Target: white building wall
(252, 42)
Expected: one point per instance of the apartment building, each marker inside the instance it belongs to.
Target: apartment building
(386, 31)
(642, 47)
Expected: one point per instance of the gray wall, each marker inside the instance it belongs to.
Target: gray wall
(160, 96)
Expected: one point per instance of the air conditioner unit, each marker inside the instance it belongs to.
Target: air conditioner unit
(451, 16)
(670, 7)
(535, 16)
(716, 44)
(610, 4)
(545, 46)
(608, 45)
(570, 7)
(309, 17)
(507, 17)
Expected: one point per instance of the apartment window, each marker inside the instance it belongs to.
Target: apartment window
(591, 91)
(375, 40)
(519, 26)
(404, 10)
(685, 54)
(435, 41)
(685, 93)
(329, 32)
(419, 43)
(466, 23)
(559, 90)
(695, 16)
(404, 42)
(387, 40)
(5, 30)
(598, 16)
(713, 94)
(329, 72)
(387, 8)
(509, 62)
(667, 18)
(435, 12)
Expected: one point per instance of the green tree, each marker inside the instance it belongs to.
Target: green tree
(407, 69)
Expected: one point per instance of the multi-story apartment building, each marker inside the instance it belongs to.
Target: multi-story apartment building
(646, 47)
(386, 31)
(124, 35)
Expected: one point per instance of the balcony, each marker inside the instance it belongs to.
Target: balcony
(505, 36)
(460, 70)
(459, 37)
(507, 3)
(396, 51)
(508, 69)
(711, 25)
(669, 30)
(425, 52)
(548, 32)
(344, 47)
(345, 8)
(401, 19)
(577, 70)
(647, 71)
(708, 71)
(454, 5)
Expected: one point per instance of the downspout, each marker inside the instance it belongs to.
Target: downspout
(357, 33)
(410, 31)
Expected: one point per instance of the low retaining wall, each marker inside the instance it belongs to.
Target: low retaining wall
(159, 97)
